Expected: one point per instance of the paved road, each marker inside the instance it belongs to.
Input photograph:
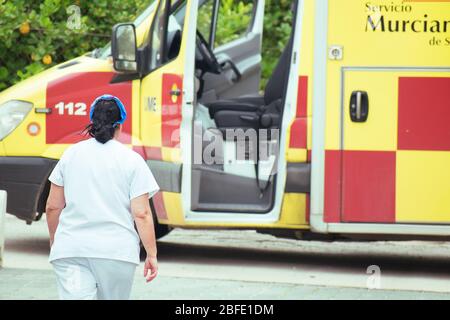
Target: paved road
(197, 264)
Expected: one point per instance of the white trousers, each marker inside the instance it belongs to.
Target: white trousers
(92, 278)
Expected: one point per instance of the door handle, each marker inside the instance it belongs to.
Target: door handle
(43, 110)
(175, 92)
(233, 67)
(359, 106)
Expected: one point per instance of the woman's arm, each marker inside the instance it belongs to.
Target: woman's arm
(140, 208)
(55, 204)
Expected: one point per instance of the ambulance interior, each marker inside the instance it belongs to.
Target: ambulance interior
(241, 177)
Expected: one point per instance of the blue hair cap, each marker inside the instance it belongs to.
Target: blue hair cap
(108, 97)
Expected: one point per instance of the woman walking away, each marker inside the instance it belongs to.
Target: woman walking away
(99, 189)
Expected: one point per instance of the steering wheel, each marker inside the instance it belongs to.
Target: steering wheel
(209, 60)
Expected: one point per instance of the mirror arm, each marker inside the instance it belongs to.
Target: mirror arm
(140, 58)
(143, 55)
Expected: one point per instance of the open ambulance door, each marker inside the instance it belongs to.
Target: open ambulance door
(234, 170)
(179, 138)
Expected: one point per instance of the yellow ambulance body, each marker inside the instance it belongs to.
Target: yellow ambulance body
(358, 108)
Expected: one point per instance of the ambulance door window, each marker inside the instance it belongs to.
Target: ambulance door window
(234, 20)
(157, 35)
(205, 18)
(222, 21)
(236, 40)
(166, 32)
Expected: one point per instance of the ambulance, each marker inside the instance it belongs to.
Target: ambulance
(352, 129)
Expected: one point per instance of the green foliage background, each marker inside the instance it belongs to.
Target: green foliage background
(21, 55)
(277, 28)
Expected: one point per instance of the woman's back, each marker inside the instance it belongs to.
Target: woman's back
(99, 180)
(99, 190)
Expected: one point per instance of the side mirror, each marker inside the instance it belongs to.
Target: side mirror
(123, 47)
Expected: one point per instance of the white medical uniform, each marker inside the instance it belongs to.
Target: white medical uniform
(96, 246)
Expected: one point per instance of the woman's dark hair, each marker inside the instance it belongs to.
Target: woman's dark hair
(103, 125)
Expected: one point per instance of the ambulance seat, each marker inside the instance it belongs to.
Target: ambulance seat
(256, 111)
(235, 105)
(253, 99)
(244, 103)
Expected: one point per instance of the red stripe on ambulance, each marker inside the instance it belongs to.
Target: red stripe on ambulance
(149, 153)
(424, 114)
(160, 208)
(299, 128)
(172, 88)
(70, 98)
(332, 203)
(368, 186)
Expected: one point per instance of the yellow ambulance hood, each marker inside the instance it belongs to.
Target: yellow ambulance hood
(33, 89)
(94, 74)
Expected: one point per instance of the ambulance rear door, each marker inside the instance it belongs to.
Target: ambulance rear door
(388, 109)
